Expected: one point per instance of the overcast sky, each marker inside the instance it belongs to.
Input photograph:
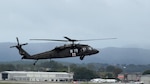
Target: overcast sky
(127, 20)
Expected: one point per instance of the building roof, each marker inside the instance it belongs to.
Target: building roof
(33, 72)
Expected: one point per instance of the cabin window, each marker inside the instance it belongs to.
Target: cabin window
(73, 50)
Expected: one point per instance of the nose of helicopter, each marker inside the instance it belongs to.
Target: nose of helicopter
(95, 51)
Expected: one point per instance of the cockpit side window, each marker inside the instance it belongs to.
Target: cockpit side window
(83, 49)
(87, 48)
(90, 48)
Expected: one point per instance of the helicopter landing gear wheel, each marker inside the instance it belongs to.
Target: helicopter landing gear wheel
(81, 57)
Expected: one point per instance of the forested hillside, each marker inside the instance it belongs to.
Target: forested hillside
(92, 70)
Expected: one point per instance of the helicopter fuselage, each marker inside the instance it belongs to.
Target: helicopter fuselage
(67, 50)
(71, 50)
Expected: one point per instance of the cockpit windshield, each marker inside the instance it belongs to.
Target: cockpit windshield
(90, 48)
(87, 48)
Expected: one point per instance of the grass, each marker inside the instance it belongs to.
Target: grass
(11, 83)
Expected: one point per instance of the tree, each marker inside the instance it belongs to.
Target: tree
(53, 66)
(73, 67)
(7, 67)
(82, 73)
(146, 72)
(117, 71)
(110, 68)
(91, 66)
(101, 69)
(109, 75)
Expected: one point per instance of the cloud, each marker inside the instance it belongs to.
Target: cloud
(128, 20)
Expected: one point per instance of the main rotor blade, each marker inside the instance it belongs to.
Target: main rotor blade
(68, 38)
(71, 40)
(97, 39)
(50, 40)
(17, 40)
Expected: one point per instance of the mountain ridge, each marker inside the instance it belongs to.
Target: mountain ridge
(110, 55)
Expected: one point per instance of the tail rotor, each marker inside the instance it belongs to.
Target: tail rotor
(18, 44)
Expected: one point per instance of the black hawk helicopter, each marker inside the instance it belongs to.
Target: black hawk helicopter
(67, 50)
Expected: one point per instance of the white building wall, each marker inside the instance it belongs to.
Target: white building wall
(145, 79)
(0, 76)
(38, 76)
